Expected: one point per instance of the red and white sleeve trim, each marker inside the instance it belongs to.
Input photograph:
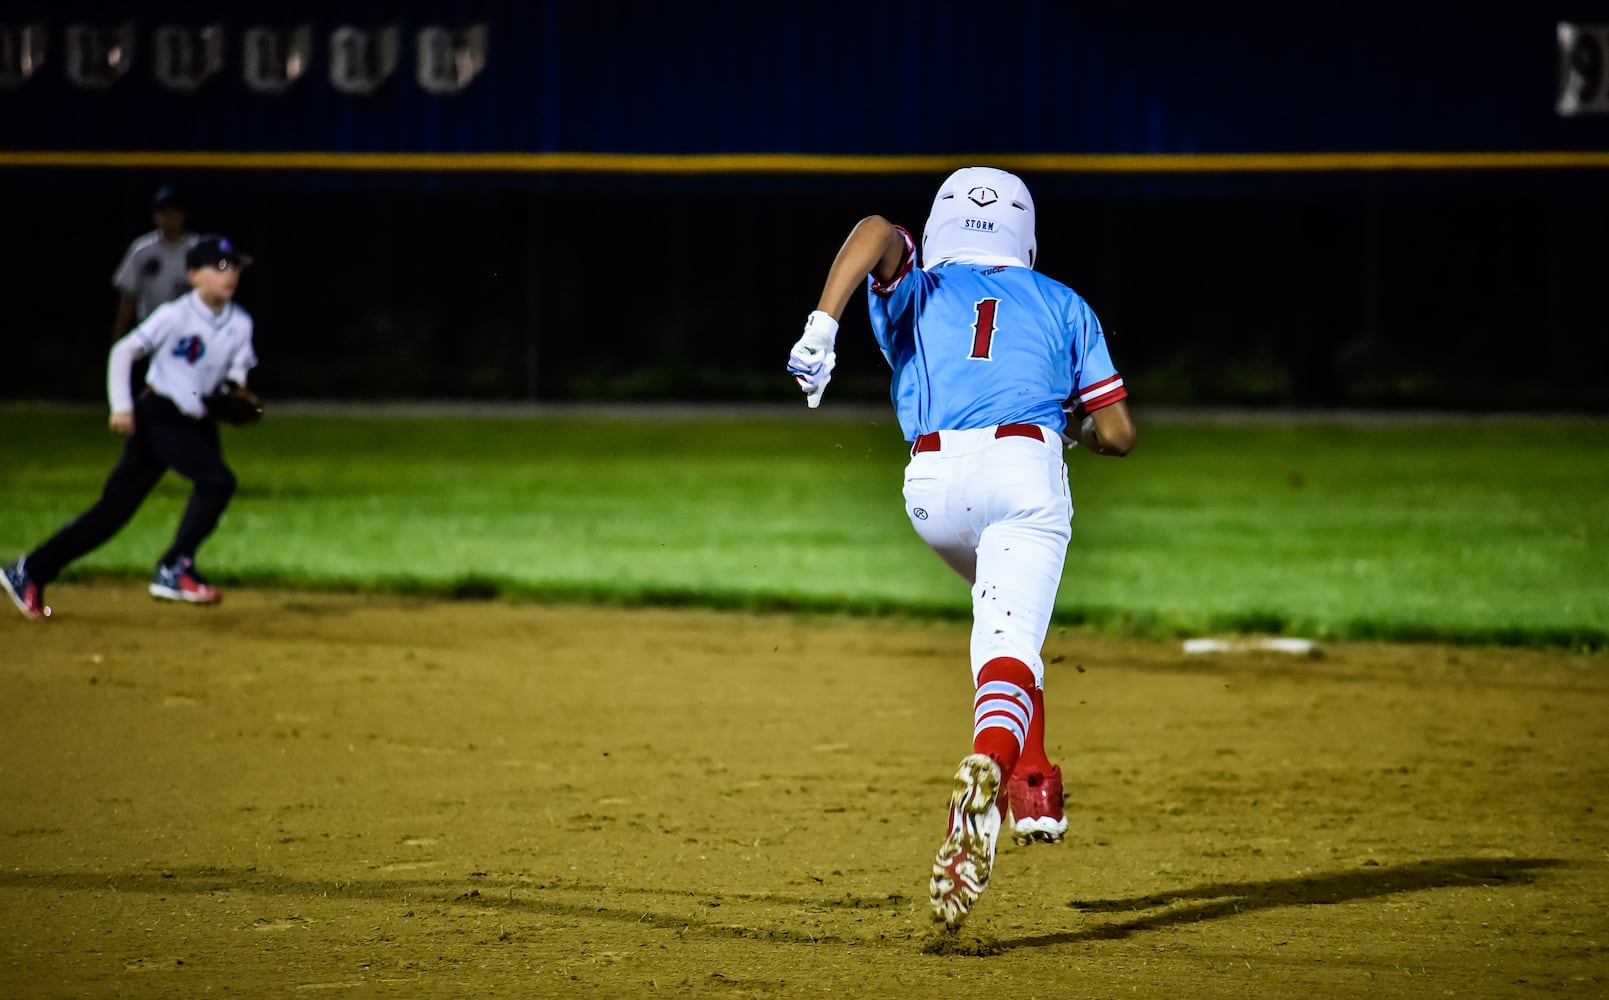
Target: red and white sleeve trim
(1100, 394)
(905, 266)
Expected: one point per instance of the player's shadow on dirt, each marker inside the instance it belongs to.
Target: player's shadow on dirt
(1228, 899)
(581, 902)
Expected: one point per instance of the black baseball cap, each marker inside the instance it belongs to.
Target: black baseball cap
(214, 251)
(167, 196)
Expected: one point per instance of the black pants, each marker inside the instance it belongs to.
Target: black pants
(163, 439)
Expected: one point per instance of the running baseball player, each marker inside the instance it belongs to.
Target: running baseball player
(153, 269)
(989, 359)
(195, 344)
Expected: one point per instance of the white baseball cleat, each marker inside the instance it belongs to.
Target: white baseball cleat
(966, 858)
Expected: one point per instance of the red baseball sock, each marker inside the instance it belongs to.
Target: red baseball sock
(1033, 748)
(1003, 711)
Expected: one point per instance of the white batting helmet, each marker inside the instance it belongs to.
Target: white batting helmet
(981, 215)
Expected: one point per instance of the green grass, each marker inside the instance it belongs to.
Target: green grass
(1489, 531)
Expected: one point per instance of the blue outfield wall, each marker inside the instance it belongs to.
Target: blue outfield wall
(901, 78)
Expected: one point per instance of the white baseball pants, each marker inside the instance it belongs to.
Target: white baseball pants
(998, 511)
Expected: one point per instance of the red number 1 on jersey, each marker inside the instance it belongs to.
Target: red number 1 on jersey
(983, 330)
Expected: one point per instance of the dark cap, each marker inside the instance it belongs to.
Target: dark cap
(214, 251)
(167, 196)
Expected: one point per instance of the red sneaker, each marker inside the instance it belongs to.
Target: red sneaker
(1036, 806)
(183, 582)
(24, 591)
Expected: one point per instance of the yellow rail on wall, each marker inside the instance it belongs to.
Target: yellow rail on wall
(794, 163)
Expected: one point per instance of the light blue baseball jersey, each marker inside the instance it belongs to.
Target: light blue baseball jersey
(975, 345)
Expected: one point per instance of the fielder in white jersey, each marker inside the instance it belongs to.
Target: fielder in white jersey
(989, 359)
(196, 344)
(153, 269)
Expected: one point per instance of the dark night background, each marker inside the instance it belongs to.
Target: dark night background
(1478, 289)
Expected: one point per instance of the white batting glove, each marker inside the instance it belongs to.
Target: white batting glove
(812, 359)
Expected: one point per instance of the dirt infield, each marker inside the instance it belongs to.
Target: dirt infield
(298, 794)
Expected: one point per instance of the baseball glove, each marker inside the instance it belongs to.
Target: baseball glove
(235, 404)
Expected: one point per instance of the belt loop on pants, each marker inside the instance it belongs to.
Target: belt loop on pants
(930, 440)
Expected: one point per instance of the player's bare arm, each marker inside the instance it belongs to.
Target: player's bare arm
(122, 423)
(874, 247)
(1108, 431)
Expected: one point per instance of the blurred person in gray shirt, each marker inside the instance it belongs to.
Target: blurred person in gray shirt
(152, 270)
